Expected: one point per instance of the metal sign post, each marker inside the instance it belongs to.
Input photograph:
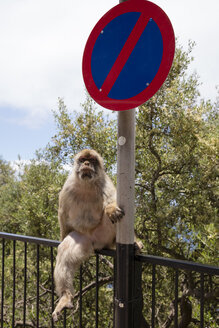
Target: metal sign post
(126, 175)
(125, 273)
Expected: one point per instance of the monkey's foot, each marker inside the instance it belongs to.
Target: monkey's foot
(138, 246)
(64, 302)
(115, 214)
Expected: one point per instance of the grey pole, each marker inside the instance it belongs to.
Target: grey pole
(125, 278)
(126, 175)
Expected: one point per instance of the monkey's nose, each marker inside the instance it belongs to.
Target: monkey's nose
(86, 163)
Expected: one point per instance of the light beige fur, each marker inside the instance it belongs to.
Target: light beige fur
(87, 213)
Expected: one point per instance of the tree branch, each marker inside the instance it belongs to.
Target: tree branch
(102, 281)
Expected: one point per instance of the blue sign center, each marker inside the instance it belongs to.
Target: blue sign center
(141, 66)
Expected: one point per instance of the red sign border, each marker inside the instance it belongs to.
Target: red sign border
(166, 29)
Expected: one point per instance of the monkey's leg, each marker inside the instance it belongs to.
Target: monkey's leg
(72, 251)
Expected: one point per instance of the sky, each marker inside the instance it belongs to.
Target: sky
(41, 50)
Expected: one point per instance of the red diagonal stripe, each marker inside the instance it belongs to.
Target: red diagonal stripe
(124, 54)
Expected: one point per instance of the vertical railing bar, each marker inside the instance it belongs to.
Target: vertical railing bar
(25, 283)
(14, 283)
(64, 319)
(202, 302)
(153, 295)
(38, 283)
(52, 282)
(114, 289)
(3, 282)
(80, 297)
(176, 298)
(97, 290)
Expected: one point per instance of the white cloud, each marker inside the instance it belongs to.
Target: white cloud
(198, 20)
(37, 64)
(42, 45)
(19, 166)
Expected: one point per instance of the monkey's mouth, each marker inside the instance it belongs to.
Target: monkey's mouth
(87, 173)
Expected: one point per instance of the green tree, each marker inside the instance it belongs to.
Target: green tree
(9, 198)
(29, 200)
(6, 172)
(40, 185)
(177, 186)
(177, 169)
(88, 128)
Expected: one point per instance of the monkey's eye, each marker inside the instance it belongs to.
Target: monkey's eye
(93, 160)
(82, 159)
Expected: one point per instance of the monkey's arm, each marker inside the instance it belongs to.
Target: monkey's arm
(64, 228)
(63, 211)
(111, 208)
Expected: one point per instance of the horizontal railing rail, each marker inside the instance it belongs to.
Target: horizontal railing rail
(178, 264)
(29, 239)
(174, 263)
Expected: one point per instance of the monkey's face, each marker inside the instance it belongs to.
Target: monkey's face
(88, 165)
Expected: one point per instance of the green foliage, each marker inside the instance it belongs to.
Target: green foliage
(40, 186)
(177, 169)
(9, 198)
(87, 129)
(29, 203)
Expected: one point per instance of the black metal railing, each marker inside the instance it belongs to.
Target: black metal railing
(28, 298)
(200, 270)
(11, 260)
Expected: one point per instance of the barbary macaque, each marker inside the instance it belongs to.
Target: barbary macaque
(87, 215)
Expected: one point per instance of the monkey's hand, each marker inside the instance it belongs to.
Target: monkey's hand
(114, 212)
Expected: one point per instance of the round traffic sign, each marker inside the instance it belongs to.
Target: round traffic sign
(128, 55)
